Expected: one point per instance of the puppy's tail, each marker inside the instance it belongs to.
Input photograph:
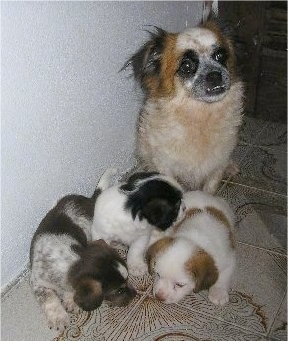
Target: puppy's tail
(104, 182)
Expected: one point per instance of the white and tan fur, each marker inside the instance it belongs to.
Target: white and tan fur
(180, 134)
(198, 253)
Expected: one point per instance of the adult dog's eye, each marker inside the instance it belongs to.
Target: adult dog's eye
(189, 64)
(220, 56)
(187, 67)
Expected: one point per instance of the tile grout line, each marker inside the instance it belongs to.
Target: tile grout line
(241, 162)
(276, 314)
(253, 188)
(15, 282)
(224, 321)
(262, 249)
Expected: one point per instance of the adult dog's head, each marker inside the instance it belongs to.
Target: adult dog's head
(100, 274)
(179, 267)
(199, 62)
(154, 197)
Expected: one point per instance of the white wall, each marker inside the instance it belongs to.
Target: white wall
(67, 113)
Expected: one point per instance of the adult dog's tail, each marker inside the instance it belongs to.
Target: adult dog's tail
(104, 182)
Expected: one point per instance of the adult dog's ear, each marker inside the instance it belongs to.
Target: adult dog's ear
(202, 267)
(88, 294)
(146, 61)
(160, 246)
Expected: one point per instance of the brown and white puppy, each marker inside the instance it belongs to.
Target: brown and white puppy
(197, 254)
(193, 105)
(68, 270)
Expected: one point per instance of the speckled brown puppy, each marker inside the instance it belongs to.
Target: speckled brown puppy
(69, 271)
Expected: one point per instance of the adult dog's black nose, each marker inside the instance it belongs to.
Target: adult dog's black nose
(214, 83)
(213, 79)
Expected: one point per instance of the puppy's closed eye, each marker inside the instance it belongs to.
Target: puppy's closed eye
(88, 294)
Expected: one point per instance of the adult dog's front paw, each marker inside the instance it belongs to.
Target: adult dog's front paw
(218, 296)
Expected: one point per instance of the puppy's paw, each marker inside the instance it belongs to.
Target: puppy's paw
(57, 318)
(70, 306)
(137, 269)
(218, 296)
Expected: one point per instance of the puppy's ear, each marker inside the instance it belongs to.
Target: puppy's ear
(88, 294)
(146, 61)
(160, 246)
(202, 267)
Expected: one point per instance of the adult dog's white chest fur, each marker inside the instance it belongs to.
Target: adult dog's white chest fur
(189, 139)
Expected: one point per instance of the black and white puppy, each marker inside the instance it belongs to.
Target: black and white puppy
(68, 270)
(129, 211)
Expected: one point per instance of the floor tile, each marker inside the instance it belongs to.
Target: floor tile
(250, 129)
(250, 307)
(274, 136)
(240, 153)
(279, 328)
(153, 320)
(262, 168)
(105, 323)
(21, 316)
(261, 218)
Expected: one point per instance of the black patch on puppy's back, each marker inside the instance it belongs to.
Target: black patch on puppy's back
(57, 222)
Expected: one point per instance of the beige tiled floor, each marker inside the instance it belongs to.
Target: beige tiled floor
(257, 307)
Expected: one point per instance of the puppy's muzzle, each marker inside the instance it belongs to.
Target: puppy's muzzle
(214, 83)
(121, 297)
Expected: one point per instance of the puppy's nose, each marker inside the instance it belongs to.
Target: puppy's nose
(213, 79)
(160, 296)
(132, 291)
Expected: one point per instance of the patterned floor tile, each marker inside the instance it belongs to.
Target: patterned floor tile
(279, 328)
(274, 136)
(249, 307)
(261, 218)
(239, 154)
(262, 168)
(152, 320)
(104, 323)
(250, 129)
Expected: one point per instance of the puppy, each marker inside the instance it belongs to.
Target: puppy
(69, 271)
(188, 125)
(129, 211)
(198, 253)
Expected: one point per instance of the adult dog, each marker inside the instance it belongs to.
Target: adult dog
(188, 124)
